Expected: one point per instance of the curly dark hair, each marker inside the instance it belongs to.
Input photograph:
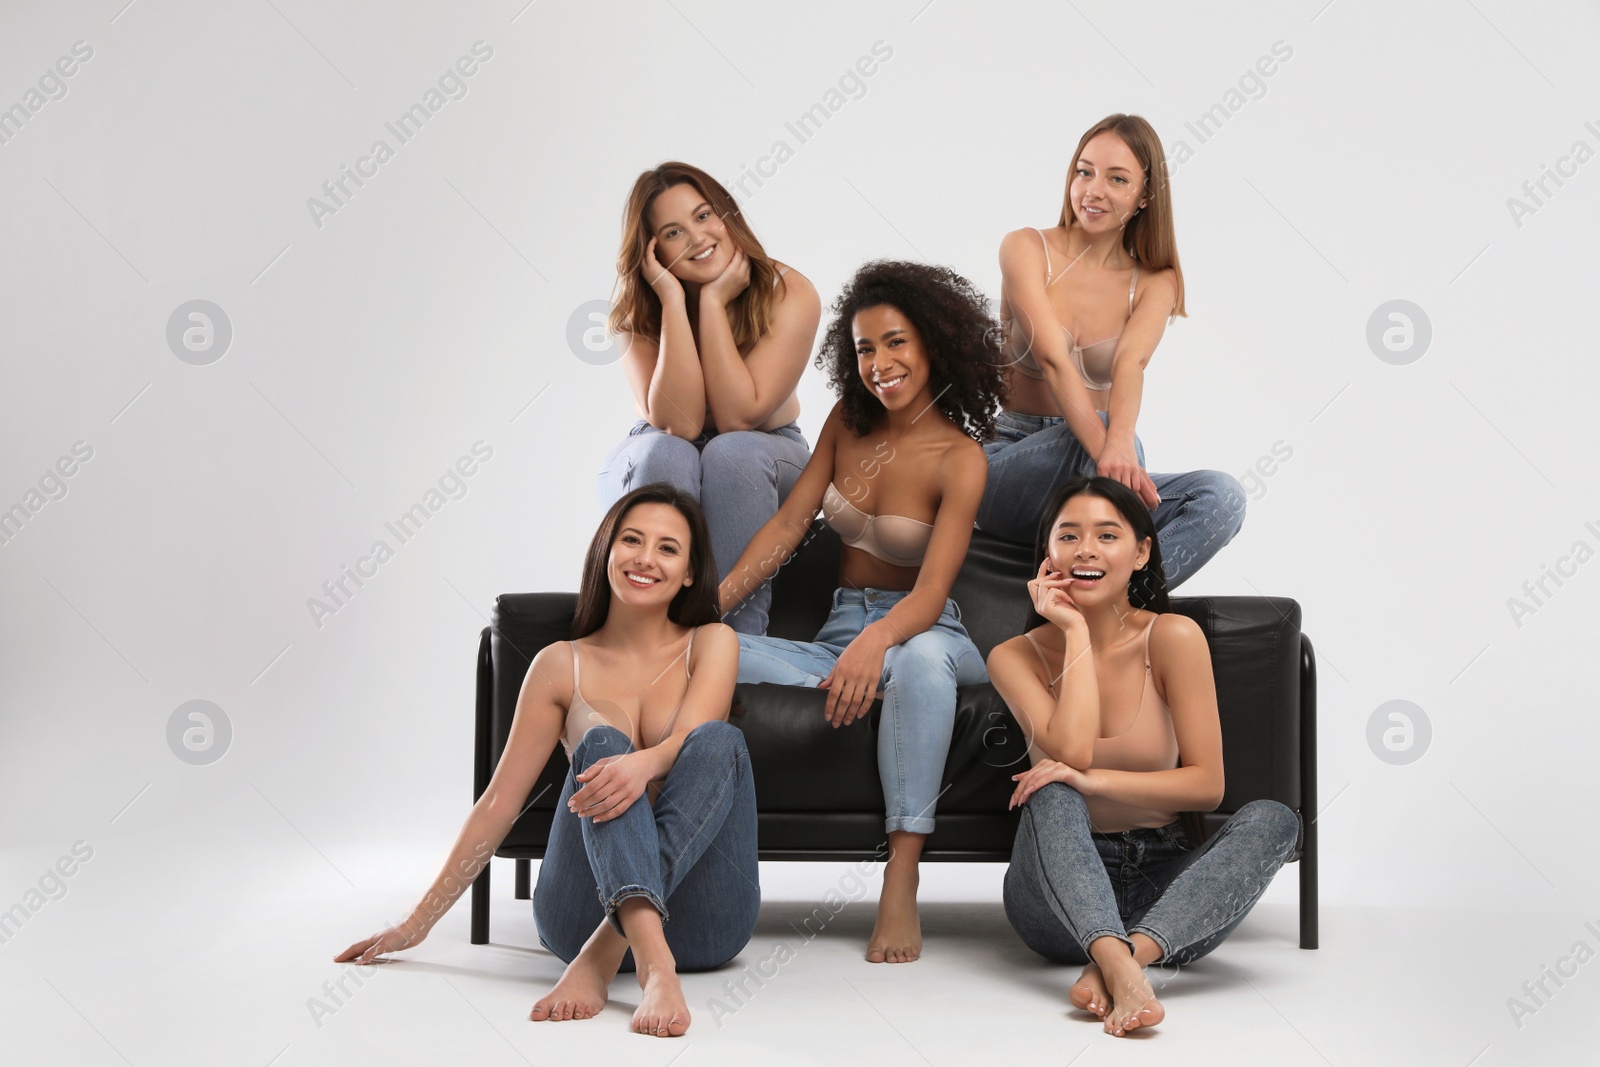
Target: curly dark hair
(959, 334)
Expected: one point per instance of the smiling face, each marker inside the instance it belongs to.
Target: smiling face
(649, 559)
(893, 364)
(1108, 184)
(1091, 543)
(691, 240)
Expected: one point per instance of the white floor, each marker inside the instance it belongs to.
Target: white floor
(167, 956)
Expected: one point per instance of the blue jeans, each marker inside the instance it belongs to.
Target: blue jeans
(1030, 455)
(1068, 885)
(691, 853)
(918, 687)
(739, 478)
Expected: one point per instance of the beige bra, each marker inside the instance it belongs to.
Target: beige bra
(892, 538)
(1093, 361)
(581, 715)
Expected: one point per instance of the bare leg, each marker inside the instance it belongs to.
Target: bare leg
(897, 935)
(662, 1010)
(1133, 1002)
(581, 992)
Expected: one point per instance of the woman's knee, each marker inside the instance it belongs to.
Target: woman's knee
(664, 457)
(1277, 823)
(717, 736)
(597, 743)
(1056, 800)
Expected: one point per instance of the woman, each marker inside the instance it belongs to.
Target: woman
(714, 336)
(632, 720)
(898, 473)
(1116, 694)
(1108, 270)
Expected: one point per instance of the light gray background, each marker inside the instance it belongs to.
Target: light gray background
(432, 311)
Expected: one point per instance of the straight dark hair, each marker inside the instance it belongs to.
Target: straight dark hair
(1147, 588)
(695, 604)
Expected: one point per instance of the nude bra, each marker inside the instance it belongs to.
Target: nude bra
(1093, 361)
(1148, 743)
(892, 538)
(582, 715)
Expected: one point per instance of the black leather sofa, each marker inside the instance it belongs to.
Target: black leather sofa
(817, 788)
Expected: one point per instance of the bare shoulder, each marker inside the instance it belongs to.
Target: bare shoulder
(716, 640)
(551, 671)
(963, 457)
(1024, 242)
(1176, 638)
(1160, 286)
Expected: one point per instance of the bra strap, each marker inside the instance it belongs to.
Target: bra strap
(1147, 630)
(574, 645)
(1131, 286)
(1049, 272)
(689, 652)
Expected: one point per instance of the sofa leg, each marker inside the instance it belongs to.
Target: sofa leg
(1308, 889)
(523, 892)
(480, 906)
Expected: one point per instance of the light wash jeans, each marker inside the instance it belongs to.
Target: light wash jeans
(691, 853)
(1068, 885)
(739, 478)
(918, 688)
(1030, 455)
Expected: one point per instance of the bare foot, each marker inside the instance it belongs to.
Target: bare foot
(662, 1010)
(897, 935)
(580, 994)
(1133, 1002)
(1089, 993)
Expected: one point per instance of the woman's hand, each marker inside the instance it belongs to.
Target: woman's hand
(733, 280)
(666, 284)
(1043, 773)
(393, 939)
(852, 685)
(1052, 598)
(610, 786)
(1117, 460)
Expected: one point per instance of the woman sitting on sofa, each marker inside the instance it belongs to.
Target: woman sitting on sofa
(898, 472)
(640, 703)
(714, 336)
(1116, 696)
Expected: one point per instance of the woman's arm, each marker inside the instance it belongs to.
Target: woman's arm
(780, 535)
(1022, 279)
(1064, 727)
(665, 373)
(535, 729)
(744, 391)
(1120, 457)
(853, 683)
(612, 785)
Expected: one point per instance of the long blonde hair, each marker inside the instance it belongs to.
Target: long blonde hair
(1148, 236)
(638, 309)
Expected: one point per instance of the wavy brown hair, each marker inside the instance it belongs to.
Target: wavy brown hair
(694, 605)
(958, 333)
(637, 309)
(1148, 236)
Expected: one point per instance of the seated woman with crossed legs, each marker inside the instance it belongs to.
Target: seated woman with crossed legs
(898, 472)
(651, 862)
(1116, 695)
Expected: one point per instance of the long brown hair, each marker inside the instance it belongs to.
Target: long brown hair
(1148, 236)
(694, 604)
(638, 309)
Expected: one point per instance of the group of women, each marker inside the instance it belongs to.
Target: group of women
(945, 420)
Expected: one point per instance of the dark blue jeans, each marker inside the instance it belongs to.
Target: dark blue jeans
(1068, 885)
(691, 853)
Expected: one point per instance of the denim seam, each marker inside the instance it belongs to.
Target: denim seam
(1054, 900)
(727, 784)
